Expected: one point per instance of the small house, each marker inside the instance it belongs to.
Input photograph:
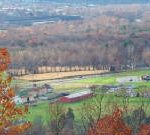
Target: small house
(24, 99)
(48, 87)
(28, 99)
(42, 91)
(131, 93)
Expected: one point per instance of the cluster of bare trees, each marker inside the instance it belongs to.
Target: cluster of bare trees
(130, 51)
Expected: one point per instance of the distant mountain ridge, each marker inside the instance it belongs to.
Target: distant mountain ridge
(105, 2)
(99, 1)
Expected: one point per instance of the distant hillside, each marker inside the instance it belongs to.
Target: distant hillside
(99, 1)
(85, 1)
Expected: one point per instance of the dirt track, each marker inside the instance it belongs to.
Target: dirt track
(51, 76)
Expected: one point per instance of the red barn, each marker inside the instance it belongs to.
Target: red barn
(74, 97)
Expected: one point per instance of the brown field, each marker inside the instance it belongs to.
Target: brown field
(57, 75)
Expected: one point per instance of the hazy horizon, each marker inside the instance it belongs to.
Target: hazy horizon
(103, 2)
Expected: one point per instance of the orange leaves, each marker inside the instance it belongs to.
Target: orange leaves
(4, 59)
(26, 109)
(10, 93)
(114, 125)
(18, 129)
(3, 51)
(9, 78)
(9, 105)
(9, 112)
(110, 125)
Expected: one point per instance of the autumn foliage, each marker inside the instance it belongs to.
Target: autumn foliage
(144, 130)
(10, 114)
(114, 125)
(111, 125)
(4, 59)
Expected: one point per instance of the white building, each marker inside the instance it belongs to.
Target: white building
(17, 100)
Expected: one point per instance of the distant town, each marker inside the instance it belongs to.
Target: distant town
(24, 15)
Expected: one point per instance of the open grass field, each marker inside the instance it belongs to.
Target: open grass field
(104, 80)
(42, 110)
(134, 72)
(49, 76)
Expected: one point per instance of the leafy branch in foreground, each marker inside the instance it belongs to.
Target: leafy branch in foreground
(10, 113)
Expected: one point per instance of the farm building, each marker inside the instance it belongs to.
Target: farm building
(145, 94)
(40, 91)
(74, 97)
(17, 100)
(34, 93)
(146, 77)
(29, 99)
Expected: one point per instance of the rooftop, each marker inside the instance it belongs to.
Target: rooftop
(78, 94)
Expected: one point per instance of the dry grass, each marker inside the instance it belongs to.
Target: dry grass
(49, 76)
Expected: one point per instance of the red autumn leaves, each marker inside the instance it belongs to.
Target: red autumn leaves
(4, 59)
(114, 125)
(9, 112)
(111, 125)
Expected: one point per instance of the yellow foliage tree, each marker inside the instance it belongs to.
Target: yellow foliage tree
(10, 114)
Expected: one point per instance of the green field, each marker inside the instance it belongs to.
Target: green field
(42, 108)
(82, 83)
(104, 80)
